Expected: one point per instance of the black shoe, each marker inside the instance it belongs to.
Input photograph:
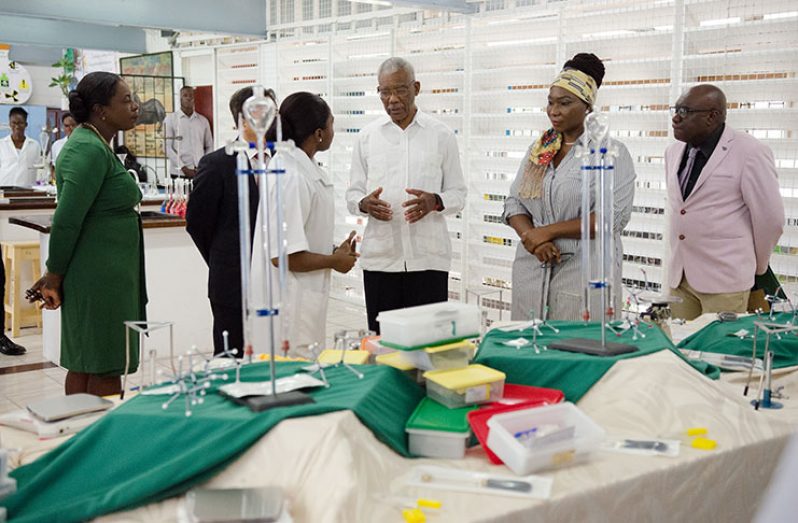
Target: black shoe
(9, 348)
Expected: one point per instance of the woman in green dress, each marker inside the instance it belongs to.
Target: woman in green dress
(95, 268)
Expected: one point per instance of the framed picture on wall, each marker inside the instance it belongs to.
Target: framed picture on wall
(155, 96)
(154, 64)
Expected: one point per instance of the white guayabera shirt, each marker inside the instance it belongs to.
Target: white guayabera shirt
(423, 156)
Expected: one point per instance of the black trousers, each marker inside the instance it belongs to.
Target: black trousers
(387, 291)
(228, 319)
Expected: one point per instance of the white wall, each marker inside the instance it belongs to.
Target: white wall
(197, 67)
(40, 79)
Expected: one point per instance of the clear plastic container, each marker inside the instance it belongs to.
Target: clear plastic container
(435, 431)
(450, 356)
(471, 385)
(434, 324)
(507, 431)
(515, 397)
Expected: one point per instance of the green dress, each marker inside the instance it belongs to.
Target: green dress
(96, 243)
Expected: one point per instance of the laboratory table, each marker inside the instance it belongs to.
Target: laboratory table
(333, 468)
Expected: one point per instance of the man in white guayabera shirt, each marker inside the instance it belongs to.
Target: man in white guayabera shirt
(405, 177)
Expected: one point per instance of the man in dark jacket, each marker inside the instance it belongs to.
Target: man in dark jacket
(212, 222)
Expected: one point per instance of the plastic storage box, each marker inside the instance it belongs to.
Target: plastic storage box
(469, 386)
(352, 357)
(435, 324)
(450, 356)
(515, 397)
(435, 431)
(502, 440)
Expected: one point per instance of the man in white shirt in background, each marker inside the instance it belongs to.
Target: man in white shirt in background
(188, 137)
(18, 153)
(406, 177)
(69, 124)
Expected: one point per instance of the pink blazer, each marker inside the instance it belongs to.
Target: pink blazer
(724, 232)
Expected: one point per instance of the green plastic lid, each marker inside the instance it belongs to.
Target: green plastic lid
(431, 415)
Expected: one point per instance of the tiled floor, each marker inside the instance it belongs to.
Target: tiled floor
(19, 386)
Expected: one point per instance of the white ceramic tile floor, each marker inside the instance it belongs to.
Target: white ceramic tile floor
(19, 388)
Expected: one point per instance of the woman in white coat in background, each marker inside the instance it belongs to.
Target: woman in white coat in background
(309, 216)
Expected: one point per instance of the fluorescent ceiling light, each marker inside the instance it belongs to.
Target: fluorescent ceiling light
(721, 21)
(663, 28)
(539, 16)
(779, 16)
(367, 36)
(372, 55)
(603, 34)
(372, 2)
(504, 43)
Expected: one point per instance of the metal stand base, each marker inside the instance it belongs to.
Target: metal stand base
(259, 403)
(594, 347)
(767, 402)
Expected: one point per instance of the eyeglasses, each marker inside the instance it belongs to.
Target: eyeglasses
(401, 91)
(683, 111)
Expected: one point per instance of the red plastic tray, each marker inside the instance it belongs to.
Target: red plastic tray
(516, 397)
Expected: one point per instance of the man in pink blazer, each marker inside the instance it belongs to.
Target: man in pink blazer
(726, 212)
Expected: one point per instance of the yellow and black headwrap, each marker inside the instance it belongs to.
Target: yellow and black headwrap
(546, 147)
(577, 83)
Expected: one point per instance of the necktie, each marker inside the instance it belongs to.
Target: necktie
(685, 174)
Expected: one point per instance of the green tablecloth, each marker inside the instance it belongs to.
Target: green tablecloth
(716, 337)
(570, 372)
(140, 453)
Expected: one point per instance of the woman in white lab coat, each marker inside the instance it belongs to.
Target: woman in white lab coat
(309, 217)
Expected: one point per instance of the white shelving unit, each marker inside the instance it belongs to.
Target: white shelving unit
(237, 66)
(486, 76)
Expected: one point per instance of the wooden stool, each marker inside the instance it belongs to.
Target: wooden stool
(15, 255)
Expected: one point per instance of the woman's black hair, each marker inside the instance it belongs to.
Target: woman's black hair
(95, 88)
(301, 114)
(589, 64)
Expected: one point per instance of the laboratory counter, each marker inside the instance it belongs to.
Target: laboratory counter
(36, 203)
(12, 191)
(149, 220)
(177, 279)
(38, 200)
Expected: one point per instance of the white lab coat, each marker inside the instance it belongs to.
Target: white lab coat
(17, 165)
(309, 222)
(55, 150)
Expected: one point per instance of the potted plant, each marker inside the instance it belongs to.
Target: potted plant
(66, 79)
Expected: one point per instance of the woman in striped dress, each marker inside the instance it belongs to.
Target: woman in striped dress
(544, 205)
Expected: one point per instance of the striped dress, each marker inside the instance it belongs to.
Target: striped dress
(560, 288)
